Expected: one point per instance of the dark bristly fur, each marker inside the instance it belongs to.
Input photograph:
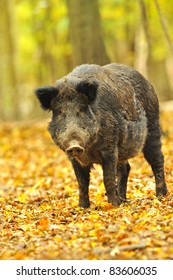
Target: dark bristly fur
(105, 115)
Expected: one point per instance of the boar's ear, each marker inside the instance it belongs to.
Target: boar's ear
(45, 96)
(89, 89)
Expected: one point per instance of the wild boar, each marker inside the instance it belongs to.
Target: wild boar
(105, 115)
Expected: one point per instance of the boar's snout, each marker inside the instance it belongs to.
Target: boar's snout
(75, 149)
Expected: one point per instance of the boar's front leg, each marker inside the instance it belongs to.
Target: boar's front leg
(122, 176)
(83, 178)
(109, 165)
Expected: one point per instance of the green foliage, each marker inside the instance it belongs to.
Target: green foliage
(120, 18)
(42, 38)
(43, 30)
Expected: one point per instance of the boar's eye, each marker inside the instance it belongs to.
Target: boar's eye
(82, 109)
(57, 112)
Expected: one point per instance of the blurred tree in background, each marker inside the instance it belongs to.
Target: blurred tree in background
(86, 34)
(42, 40)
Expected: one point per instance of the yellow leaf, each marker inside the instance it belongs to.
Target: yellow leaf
(22, 198)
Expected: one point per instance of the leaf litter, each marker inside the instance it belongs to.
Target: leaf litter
(39, 213)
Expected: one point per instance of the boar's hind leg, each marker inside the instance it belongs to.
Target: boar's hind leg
(154, 156)
(83, 178)
(122, 176)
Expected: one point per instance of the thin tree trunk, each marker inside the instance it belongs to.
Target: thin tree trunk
(155, 71)
(143, 43)
(9, 80)
(47, 68)
(164, 27)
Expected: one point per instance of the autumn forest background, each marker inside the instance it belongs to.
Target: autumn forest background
(41, 41)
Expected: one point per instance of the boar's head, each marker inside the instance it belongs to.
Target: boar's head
(74, 125)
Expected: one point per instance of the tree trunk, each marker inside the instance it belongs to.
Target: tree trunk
(154, 70)
(9, 81)
(143, 43)
(86, 32)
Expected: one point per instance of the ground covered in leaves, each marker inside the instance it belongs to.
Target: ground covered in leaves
(39, 213)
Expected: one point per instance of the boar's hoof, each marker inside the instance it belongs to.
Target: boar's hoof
(75, 150)
(161, 191)
(116, 201)
(84, 204)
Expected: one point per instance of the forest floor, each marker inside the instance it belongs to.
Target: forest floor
(39, 213)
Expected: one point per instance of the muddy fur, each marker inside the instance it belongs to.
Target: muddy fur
(111, 113)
